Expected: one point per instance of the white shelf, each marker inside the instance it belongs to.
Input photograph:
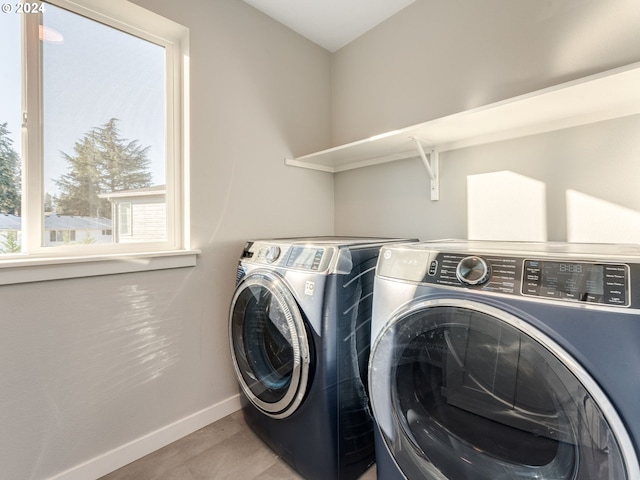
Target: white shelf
(606, 95)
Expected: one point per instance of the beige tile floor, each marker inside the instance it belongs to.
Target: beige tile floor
(226, 449)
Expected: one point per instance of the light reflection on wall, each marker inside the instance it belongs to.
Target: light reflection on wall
(139, 343)
(152, 337)
(506, 206)
(591, 219)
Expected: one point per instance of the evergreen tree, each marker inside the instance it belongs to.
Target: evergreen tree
(9, 174)
(10, 244)
(102, 163)
(79, 188)
(49, 203)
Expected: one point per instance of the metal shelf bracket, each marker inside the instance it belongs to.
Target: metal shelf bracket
(432, 165)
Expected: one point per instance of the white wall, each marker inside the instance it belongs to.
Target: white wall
(435, 58)
(88, 365)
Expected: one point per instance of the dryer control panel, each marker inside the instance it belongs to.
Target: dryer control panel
(601, 283)
(574, 281)
(571, 279)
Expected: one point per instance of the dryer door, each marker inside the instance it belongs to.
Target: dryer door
(269, 344)
(462, 390)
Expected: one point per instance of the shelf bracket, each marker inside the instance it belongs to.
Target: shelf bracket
(432, 165)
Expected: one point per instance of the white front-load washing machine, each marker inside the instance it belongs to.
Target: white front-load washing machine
(299, 328)
(506, 361)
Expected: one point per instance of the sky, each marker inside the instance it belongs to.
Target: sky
(91, 74)
(10, 75)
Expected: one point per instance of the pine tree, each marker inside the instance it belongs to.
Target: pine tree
(103, 163)
(10, 244)
(9, 174)
(49, 203)
(79, 188)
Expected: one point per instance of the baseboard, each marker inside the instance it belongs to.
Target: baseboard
(129, 452)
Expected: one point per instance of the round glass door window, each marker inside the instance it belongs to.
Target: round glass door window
(269, 345)
(466, 391)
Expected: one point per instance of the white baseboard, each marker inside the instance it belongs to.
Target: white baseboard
(129, 452)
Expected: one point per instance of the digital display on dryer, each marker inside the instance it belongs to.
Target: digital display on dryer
(604, 284)
(305, 258)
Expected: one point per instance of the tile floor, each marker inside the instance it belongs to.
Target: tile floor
(226, 449)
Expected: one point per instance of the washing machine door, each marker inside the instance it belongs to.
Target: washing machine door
(269, 344)
(461, 390)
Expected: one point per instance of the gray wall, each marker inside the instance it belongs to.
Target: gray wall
(541, 176)
(88, 365)
(435, 58)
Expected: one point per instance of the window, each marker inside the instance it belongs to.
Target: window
(124, 218)
(62, 236)
(102, 115)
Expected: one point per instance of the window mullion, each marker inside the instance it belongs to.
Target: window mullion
(171, 197)
(32, 210)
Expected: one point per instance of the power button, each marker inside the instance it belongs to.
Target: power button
(433, 268)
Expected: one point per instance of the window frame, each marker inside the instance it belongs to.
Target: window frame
(134, 20)
(128, 208)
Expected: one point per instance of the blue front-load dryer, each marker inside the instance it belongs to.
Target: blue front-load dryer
(506, 361)
(299, 328)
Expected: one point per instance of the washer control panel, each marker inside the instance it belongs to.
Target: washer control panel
(589, 282)
(298, 257)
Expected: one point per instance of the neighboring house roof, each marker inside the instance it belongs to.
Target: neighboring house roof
(72, 222)
(138, 192)
(10, 222)
(58, 222)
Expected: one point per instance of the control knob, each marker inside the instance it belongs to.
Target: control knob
(473, 271)
(272, 253)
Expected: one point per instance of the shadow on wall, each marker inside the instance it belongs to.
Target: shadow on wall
(508, 206)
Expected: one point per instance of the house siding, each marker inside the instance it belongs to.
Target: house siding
(148, 223)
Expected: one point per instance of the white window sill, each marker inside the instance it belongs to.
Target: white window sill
(38, 269)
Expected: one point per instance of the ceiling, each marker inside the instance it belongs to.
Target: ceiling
(330, 23)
